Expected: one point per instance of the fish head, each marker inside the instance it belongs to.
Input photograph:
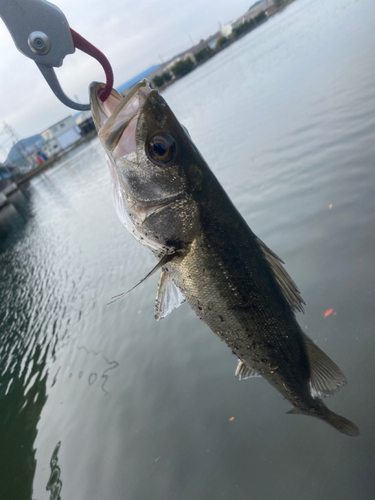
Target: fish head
(153, 166)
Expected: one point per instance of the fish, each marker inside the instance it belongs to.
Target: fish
(170, 201)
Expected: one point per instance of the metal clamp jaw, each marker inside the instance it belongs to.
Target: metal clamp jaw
(41, 32)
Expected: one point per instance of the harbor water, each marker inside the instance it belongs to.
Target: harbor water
(101, 402)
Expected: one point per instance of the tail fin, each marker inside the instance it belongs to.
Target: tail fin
(340, 423)
(337, 421)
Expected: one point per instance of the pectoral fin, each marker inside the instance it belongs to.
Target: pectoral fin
(169, 296)
(245, 371)
(160, 264)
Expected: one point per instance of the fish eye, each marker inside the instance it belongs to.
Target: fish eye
(161, 148)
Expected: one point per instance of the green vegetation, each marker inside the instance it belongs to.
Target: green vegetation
(260, 17)
(167, 76)
(182, 68)
(246, 26)
(220, 41)
(204, 53)
(250, 24)
(160, 80)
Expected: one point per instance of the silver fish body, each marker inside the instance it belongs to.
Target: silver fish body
(172, 203)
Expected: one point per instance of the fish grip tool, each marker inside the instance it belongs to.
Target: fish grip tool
(41, 32)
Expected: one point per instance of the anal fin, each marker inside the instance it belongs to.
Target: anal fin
(296, 411)
(326, 377)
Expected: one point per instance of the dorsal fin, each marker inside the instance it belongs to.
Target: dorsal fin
(169, 297)
(288, 287)
(326, 378)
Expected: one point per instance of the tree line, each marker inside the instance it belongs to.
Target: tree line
(183, 67)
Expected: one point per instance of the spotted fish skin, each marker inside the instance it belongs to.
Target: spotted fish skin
(171, 202)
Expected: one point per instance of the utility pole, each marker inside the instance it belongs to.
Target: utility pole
(17, 142)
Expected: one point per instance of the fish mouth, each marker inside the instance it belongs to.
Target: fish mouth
(116, 121)
(116, 118)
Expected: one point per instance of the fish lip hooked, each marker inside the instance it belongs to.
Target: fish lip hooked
(96, 86)
(116, 119)
(99, 106)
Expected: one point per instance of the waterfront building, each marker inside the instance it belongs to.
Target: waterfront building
(60, 136)
(85, 123)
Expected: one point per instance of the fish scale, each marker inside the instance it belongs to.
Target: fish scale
(255, 329)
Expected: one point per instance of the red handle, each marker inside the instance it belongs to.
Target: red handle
(84, 45)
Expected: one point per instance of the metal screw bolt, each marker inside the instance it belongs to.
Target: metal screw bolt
(39, 43)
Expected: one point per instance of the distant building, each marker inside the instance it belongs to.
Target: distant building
(255, 9)
(60, 136)
(23, 152)
(85, 123)
(51, 147)
(182, 57)
(227, 30)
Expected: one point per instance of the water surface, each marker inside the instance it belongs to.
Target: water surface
(102, 402)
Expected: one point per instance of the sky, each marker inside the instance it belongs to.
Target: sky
(134, 35)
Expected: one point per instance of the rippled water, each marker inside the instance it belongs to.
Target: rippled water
(102, 402)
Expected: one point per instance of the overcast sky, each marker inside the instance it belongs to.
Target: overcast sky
(132, 34)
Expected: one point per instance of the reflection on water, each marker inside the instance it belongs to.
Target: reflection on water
(102, 373)
(23, 353)
(23, 395)
(54, 484)
(286, 118)
(22, 360)
(14, 217)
